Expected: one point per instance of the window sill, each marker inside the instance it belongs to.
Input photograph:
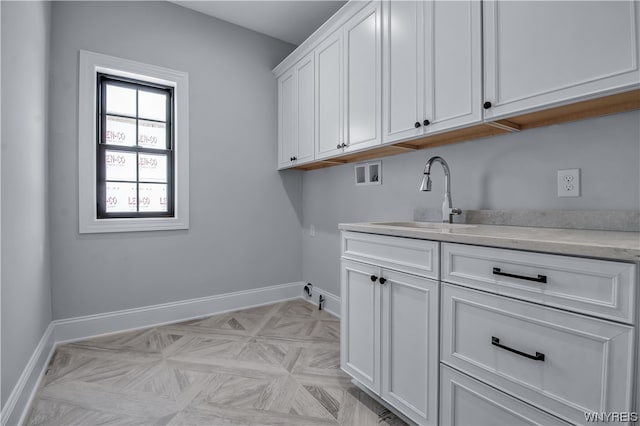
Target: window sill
(132, 225)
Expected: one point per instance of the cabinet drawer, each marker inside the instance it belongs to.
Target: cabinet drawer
(595, 287)
(583, 364)
(418, 257)
(468, 402)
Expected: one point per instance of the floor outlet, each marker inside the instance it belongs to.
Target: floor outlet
(569, 183)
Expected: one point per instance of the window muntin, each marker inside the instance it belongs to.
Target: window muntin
(135, 149)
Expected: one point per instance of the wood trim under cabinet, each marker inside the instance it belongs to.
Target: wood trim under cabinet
(612, 104)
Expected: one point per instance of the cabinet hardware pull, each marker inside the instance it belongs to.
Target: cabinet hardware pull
(537, 357)
(373, 278)
(344, 144)
(487, 105)
(540, 279)
(338, 146)
(417, 124)
(382, 280)
(294, 158)
(426, 122)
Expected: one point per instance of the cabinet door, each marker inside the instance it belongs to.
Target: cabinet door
(329, 96)
(305, 73)
(287, 118)
(540, 54)
(363, 83)
(452, 64)
(403, 89)
(410, 345)
(360, 323)
(468, 402)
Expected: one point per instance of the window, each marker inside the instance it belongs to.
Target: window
(133, 146)
(135, 149)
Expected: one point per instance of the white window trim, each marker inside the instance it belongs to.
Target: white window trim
(90, 65)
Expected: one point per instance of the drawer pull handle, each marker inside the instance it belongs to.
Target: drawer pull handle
(540, 279)
(373, 278)
(537, 357)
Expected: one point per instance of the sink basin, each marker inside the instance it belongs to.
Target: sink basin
(424, 225)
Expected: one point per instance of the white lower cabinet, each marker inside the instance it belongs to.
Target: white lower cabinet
(410, 345)
(506, 337)
(360, 323)
(599, 288)
(567, 364)
(389, 336)
(466, 401)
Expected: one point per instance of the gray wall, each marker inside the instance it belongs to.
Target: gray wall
(516, 171)
(245, 216)
(26, 295)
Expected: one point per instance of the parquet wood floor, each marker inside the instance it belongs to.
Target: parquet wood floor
(271, 365)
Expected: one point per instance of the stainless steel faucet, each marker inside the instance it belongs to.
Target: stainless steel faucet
(447, 210)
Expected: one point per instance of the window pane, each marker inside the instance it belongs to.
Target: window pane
(152, 134)
(121, 197)
(152, 105)
(153, 197)
(152, 168)
(120, 131)
(120, 165)
(121, 100)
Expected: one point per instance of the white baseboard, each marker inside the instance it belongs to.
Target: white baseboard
(72, 329)
(331, 301)
(19, 400)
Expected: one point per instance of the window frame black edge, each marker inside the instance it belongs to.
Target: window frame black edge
(169, 150)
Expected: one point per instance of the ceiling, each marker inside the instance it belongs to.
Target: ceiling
(288, 20)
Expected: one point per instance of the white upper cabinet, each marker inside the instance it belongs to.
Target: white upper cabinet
(287, 119)
(362, 78)
(296, 109)
(453, 64)
(329, 128)
(540, 54)
(306, 133)
(387, 71)
(432, 67)
(403, 104)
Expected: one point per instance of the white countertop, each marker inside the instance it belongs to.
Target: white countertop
(615, 245)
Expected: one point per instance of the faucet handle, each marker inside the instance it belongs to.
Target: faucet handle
(456, 211)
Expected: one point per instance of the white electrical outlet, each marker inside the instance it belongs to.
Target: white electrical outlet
(569, 183)
(312, 231)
